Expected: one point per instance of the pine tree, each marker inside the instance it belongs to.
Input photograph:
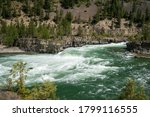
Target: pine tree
(48, 5)
(147, 15)
(19, 69)
(11, 35)
(146, 31)
(37, 7)
(31, 29)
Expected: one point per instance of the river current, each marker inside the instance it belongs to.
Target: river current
(88, 72)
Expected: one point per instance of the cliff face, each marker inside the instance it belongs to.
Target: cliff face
(142, 47)
(59, 44)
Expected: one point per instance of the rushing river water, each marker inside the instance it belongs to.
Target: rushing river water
(88, 72)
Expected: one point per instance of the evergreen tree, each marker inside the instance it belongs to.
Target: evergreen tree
(31, 29)
(11, 35)
(146, 31)
(147, 15)
(26, 7)
(19, 70)
(37, 7)
(21, 29)
(6, 10)
(48, 5)
(69, 17)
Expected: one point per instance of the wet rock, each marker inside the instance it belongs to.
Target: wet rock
(140, 47)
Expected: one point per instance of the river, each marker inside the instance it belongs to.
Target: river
(88, 72)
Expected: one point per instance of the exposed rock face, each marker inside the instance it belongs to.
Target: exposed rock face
(59, 44)
(142, 47)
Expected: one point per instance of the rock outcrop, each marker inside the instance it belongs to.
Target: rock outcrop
(59, 44)
(140, 47)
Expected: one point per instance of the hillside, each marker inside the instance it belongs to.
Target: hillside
(48, 19)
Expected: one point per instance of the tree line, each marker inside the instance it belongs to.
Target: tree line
(10, 33)
(115, 9)
(9, 8)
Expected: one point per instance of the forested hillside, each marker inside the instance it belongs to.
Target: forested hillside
(48, 19)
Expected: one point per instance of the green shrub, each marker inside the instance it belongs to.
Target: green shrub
(133, 92)
(16, 83)
(43, 91)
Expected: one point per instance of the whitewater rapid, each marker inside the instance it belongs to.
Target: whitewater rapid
(94, 69)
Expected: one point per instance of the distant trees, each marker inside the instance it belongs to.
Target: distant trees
(146, 31)
(71, 3)
(10, 35)
(31, 8)
(115, 9)
(64, 27)
(96, 18)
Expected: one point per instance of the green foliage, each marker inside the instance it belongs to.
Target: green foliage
(146, 31)
(69, 17)
(71, 3)
(134, 38)
(96, 18)
(58, 17)
(11, 35)
(133, 92)
(43, 32)
(48, 5)
(26, 6)
(43, 91)
(16, 83)
(6, 9)
(64, 28)
(21, 29)
(37, 7)
(31, 29)
(19, 70)
(144, 35)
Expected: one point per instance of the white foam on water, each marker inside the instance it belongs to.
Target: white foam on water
(84, 49)
(87, 47)
(65, 67)
(4, 70)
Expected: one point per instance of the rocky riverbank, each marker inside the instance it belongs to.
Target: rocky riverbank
(4, 49)
(61, 43)
(139, 48)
